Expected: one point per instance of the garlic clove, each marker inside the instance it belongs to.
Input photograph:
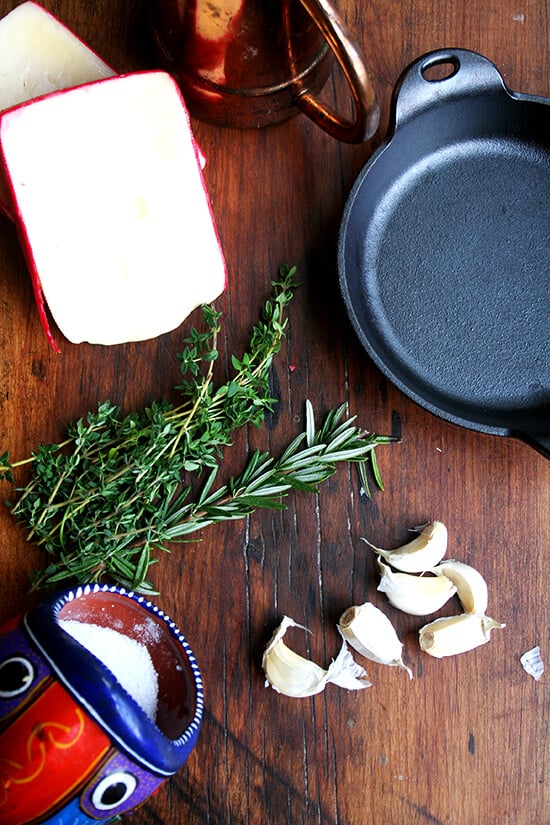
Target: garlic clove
(417, 595)
(420, 554)
(369, 631)
(471, 587)
(456, 634)
(288, 672)
(293, 675)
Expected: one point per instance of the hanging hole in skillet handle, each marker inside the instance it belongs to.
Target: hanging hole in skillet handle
(442, 68)
(353, 64)
(441, 76)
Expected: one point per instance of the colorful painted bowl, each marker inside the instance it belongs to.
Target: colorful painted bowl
(75, 745)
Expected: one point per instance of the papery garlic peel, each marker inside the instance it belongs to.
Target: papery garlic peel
(456, 634)
(370, 632)
(416, 595)
(293, 675)
(420, 554)
(531, 662)
(471, 587)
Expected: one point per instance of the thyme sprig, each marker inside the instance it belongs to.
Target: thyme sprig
(118, 489)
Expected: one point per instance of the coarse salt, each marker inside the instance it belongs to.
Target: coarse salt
(128, 660)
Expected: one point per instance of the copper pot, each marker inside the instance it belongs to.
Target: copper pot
(250, 63)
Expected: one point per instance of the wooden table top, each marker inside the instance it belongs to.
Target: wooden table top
(466, 741)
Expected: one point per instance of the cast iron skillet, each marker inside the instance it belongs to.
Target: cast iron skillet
(444, 249)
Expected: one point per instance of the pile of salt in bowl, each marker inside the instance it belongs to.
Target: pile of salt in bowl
(128, 660)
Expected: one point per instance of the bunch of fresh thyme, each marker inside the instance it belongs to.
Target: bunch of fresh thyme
(117, 489)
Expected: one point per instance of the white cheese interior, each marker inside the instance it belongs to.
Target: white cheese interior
(38, 55)
(112, 207)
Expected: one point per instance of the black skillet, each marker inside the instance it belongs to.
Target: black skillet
(444, 249)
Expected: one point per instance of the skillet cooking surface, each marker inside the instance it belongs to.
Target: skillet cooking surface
(444, 251)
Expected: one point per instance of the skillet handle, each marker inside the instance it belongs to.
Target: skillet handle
(469, 73)
(540, 443)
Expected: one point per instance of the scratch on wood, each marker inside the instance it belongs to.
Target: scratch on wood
(335, 780)
(424, 812)
(396, 426)
(272, 417)
(284, 796)
(306, 773)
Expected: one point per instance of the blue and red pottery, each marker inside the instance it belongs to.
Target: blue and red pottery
(75, 747)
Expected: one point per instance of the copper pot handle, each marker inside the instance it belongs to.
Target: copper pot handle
(352, 62)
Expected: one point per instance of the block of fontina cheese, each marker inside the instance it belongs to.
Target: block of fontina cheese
(111, 208)
(39, 55)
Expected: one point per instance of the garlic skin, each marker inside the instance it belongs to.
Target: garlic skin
(293, 675)
(531, 662)
(420, 554)
(416, 595)
(471, 587)
(456, 634)
(369, 631)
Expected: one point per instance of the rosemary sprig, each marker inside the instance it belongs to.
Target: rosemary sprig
(117, 490)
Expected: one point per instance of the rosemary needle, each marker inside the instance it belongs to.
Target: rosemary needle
(119, 489)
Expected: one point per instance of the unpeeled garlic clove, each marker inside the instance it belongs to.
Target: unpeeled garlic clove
(417, 595)
(456, 634)
(471, 587)
(420, 554)
(293, 675)
(369, 631)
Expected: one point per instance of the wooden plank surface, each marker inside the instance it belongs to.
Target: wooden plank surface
(466, 741)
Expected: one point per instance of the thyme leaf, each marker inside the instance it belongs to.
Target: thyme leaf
(120, 489)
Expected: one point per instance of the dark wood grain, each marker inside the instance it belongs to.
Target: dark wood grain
(465, 742)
